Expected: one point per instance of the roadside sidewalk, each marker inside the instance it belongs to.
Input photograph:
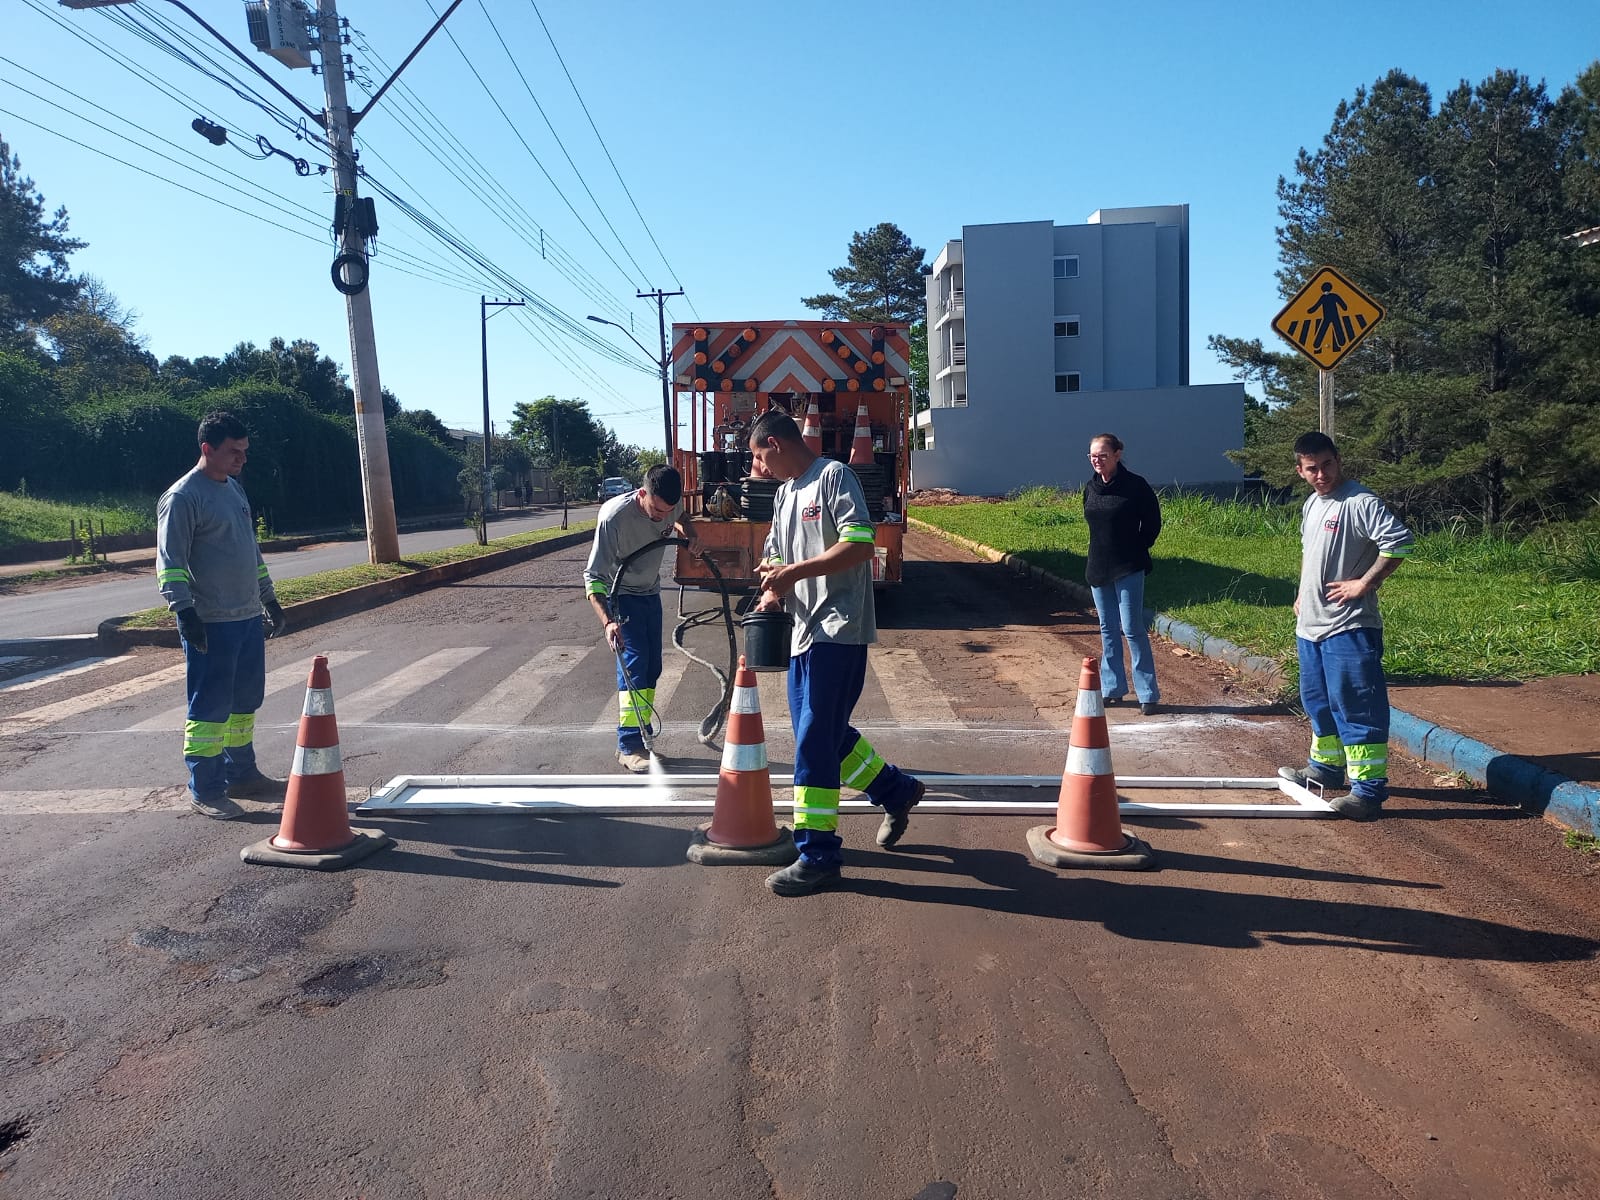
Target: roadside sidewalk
(1535, 744)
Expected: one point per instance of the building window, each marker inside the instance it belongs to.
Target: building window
(1072, 381)
(1067, 327)
(1066, 266)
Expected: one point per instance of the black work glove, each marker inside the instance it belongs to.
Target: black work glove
(276, 621)
(192, 629)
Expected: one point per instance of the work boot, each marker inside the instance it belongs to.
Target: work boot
(259, 787)
(1352, 807)
(894, 823)
(1305, 778)
(801, 878)
(635, 761)
(218, 809)
(1149, 708)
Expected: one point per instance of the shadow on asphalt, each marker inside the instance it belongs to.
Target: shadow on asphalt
(941, 595)
(518, 848)
(1011, 882)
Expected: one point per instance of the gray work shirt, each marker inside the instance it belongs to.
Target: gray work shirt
(206, 552)
(1341, 535)
(624, 527)
(811, 513)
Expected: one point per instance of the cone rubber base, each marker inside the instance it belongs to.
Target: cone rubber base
(1135, 856)
(707, 853)
(367, 842)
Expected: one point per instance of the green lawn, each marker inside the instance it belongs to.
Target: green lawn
(326, 583)
(26, 519)
(1461, 607)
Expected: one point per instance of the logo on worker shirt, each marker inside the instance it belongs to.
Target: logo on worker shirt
(811, 512)
(1331, 525)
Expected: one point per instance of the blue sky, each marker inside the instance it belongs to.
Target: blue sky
(754, 138)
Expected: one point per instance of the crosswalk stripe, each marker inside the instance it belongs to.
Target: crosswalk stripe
(86, 801)
(174, 718)
(672, 668)
(912, 695)
(101, 698)
(27, 683)
(514, 698)
(412, 678)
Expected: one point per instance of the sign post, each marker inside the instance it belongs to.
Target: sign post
(1327, 319)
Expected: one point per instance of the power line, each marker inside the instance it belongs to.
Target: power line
(525, 87)
(518, 134)
(625, 191)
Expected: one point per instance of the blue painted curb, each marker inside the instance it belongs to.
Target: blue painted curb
(1529, 786)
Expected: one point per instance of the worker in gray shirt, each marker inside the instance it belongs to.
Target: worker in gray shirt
(211, 573)
(631, 617)
(1350, 543)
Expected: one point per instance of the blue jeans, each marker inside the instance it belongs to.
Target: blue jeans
(226, 685)
(641, 653)
(1347, 699)
(1120, 606)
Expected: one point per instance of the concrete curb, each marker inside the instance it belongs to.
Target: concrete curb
(75, 644)
(357, 599)
(1529, 786)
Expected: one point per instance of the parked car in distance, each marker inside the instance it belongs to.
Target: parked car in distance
(614, 485)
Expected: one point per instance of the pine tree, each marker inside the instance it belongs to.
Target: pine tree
(882, 281)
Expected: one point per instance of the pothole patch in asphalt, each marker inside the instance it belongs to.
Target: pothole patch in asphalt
(335, 984)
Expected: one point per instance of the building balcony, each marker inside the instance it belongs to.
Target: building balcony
(953, 369)
(952, 308)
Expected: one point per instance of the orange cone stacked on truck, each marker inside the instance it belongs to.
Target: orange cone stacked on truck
(861, 444)
(742, 829)
(811, 432)
(1088, 829)
(315, 832)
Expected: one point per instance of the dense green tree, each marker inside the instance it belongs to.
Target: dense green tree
(558, 431)
(882, 281)
(95, 347)
(35, 283)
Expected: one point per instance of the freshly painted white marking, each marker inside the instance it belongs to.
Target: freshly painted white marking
(908, 687)
(26, 683)
(514, 698)
(406, 682)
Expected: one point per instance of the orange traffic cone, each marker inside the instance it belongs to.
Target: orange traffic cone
(811, 433)
(742, 828)
(1088, 828)
(315, 832)
(861, 444)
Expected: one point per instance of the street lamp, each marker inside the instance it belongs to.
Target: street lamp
(663, 365)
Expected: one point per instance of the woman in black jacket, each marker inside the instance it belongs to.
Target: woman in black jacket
(1124, 519)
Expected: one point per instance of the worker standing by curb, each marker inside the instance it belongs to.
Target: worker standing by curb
(211, 572)
(632, 620)
(1350, 543)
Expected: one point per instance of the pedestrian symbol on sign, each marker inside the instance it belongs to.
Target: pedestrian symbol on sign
(1328, 318)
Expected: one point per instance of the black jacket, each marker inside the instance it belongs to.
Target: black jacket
(1124, 519)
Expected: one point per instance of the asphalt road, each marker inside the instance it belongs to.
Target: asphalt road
(63, 610)
(533, 1006)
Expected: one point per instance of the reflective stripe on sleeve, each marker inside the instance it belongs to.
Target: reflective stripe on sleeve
(597, 587)
(856, 533)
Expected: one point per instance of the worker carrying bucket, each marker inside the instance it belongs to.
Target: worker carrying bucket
(623, 582)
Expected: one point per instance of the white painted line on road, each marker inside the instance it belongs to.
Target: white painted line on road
(96, 801)
(516, 696)
(410, 679)
(65, 671)
(908, 687)
(101, 698)
(173, 719)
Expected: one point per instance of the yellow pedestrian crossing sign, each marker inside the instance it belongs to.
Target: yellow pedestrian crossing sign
(1327, 318)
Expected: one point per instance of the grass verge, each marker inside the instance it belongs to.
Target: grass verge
(27, 519)
(328, 583)
(1460, 608)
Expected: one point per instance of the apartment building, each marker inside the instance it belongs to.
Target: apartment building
(1042, 335)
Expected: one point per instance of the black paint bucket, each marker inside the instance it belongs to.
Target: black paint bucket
(766, 640)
